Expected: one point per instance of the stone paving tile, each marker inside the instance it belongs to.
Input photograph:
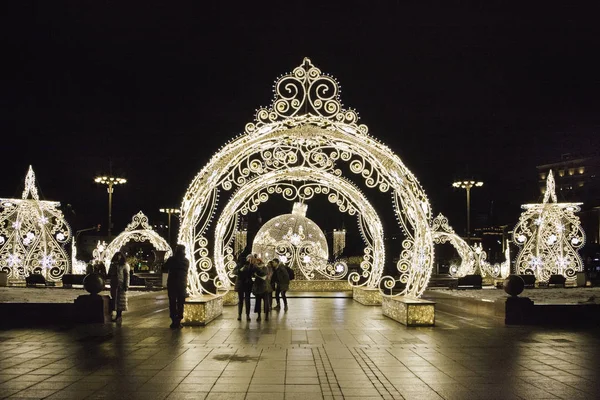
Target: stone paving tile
(321, 348)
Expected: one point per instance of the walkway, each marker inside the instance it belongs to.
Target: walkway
(326, 348)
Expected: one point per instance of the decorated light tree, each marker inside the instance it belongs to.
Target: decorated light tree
(550, 235)
(33, 234)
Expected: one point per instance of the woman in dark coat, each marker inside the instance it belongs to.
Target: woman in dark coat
(281, 280)
(260, 288)
(118, 274)
(243, 284)
(177, 266)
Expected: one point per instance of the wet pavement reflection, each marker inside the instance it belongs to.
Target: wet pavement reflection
(322, 348)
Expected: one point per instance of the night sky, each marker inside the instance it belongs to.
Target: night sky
(152, 90)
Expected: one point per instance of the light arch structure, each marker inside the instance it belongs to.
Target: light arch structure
(444, 233)
(299, 184)
(306, 130)
(138, 230)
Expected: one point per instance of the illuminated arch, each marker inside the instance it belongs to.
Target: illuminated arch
(444, 233)
(339, 191)
(306, 127)
(138, 230)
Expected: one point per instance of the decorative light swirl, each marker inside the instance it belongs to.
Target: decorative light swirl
(339, 191)
(444, 233)
(33, 234)
(550, 236)
(138, 230)
(314, 132)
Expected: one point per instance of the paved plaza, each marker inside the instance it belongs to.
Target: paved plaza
(322, 348)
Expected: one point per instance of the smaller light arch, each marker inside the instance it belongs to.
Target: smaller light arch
(138, 230)
(444, 233)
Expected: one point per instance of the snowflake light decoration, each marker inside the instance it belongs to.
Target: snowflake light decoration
(299, 148)
(138, 230)
(33, 234)
(550, 235)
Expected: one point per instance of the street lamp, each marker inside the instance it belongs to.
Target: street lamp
(109, 181)
(170, 211)
(467, 185)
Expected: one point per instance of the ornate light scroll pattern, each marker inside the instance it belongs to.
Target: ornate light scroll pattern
(33, 234)
(550, 235)
(307, 129)
(138, 230)
(497, 270)
(291, 185)
(444, 233)
(306, 91)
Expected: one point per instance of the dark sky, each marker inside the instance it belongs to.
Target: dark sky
(155, 88)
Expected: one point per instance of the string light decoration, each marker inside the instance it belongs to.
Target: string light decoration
(444, 233)
(33, 235)
(98, 252)
(241, 241)
(306, 136)
(298, 242)
(498, 271)
(339, 242)
(550, 235)
(138, 230)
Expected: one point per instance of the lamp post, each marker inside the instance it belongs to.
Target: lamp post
(467, 185)
(169, 211)
(110, 181)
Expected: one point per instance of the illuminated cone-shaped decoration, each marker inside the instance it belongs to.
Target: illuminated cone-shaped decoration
(339, 242)
(550, 235)
(33, 234)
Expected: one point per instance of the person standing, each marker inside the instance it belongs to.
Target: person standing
(118, 272)
(243, 284)
(177, 266)
(270, 289)
(259, 288)
(282, 283)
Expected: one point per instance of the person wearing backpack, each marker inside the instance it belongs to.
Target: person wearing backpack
(282, 283)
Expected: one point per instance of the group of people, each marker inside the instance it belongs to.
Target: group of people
(255, 277)
(119, 276)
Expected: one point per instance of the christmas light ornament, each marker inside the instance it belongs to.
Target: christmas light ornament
(306, 144)
(138, 230)
(33, 234)
(549, 235)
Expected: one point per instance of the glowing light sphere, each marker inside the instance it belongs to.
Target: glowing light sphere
(33, 234)
(306, 144)
(550, 235)
(298, 239)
